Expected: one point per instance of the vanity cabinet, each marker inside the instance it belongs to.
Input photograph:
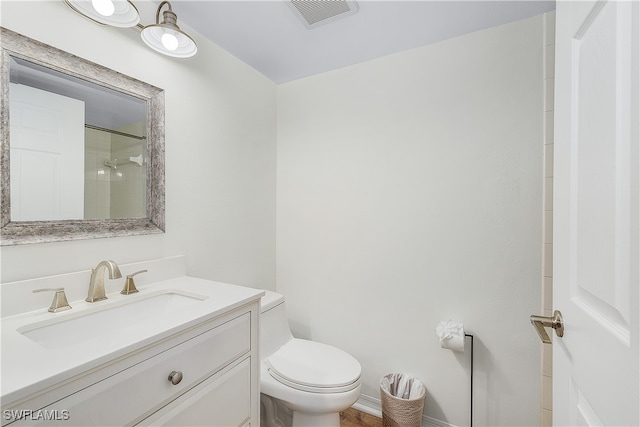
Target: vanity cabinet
(204, 375)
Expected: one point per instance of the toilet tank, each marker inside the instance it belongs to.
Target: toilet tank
(274, 326)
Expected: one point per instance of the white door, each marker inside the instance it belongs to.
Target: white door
(47, 155)
(596, 365)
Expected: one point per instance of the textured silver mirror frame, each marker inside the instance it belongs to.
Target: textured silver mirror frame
(18, 233)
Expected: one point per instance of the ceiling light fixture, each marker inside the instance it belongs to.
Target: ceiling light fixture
(164, 37)
(117, 13)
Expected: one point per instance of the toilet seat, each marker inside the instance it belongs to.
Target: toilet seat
(314, 367)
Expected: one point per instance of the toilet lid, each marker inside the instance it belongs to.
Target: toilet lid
(313, 366)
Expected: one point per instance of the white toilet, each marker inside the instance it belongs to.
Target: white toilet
(302, 383)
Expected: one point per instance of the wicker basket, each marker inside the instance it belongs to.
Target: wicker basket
(398, 411)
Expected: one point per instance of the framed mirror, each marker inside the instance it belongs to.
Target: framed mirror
(82, 148)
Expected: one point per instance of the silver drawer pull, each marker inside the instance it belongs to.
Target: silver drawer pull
(175, 377)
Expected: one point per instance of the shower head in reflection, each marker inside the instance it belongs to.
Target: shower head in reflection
(113, 164)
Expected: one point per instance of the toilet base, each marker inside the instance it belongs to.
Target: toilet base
(273, 412)
(300, 419)
(276, 413)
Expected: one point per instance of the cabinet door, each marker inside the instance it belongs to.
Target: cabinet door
(222, 400)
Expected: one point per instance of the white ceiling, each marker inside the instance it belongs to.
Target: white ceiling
(267, 35)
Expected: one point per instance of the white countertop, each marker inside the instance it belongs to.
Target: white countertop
(28, 366)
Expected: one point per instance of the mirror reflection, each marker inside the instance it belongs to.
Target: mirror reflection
(78, 149)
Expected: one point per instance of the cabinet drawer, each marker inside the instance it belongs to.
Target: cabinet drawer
(222, 400)
(133, 394)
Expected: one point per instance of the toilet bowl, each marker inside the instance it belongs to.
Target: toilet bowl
(302, 383)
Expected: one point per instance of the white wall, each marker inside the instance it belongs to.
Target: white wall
(409, 191)
(220, 153)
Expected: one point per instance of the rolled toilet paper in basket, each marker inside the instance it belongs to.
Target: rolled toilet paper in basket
(451, 335)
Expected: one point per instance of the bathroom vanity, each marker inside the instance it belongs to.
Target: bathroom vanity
(182, 352)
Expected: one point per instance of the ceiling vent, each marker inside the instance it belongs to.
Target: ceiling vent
(314, 13)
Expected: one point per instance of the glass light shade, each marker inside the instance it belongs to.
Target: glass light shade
(104, 7)
(152, 35)
(169, 41)
(124, 13)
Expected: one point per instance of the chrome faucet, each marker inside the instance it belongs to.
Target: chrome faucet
(96, 284)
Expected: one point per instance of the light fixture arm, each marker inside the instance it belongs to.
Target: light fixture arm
(170, 10)
(169, 18)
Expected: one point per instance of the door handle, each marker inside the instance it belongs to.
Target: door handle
(555, 322)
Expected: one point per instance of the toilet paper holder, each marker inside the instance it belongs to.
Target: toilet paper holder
(555, 322)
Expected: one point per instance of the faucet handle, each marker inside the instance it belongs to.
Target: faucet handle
(59, 302)
(129, 284)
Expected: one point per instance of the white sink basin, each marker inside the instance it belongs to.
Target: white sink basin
(108, 319)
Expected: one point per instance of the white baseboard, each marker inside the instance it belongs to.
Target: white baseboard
(433, 422)
(373, 406)
(369, 405)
